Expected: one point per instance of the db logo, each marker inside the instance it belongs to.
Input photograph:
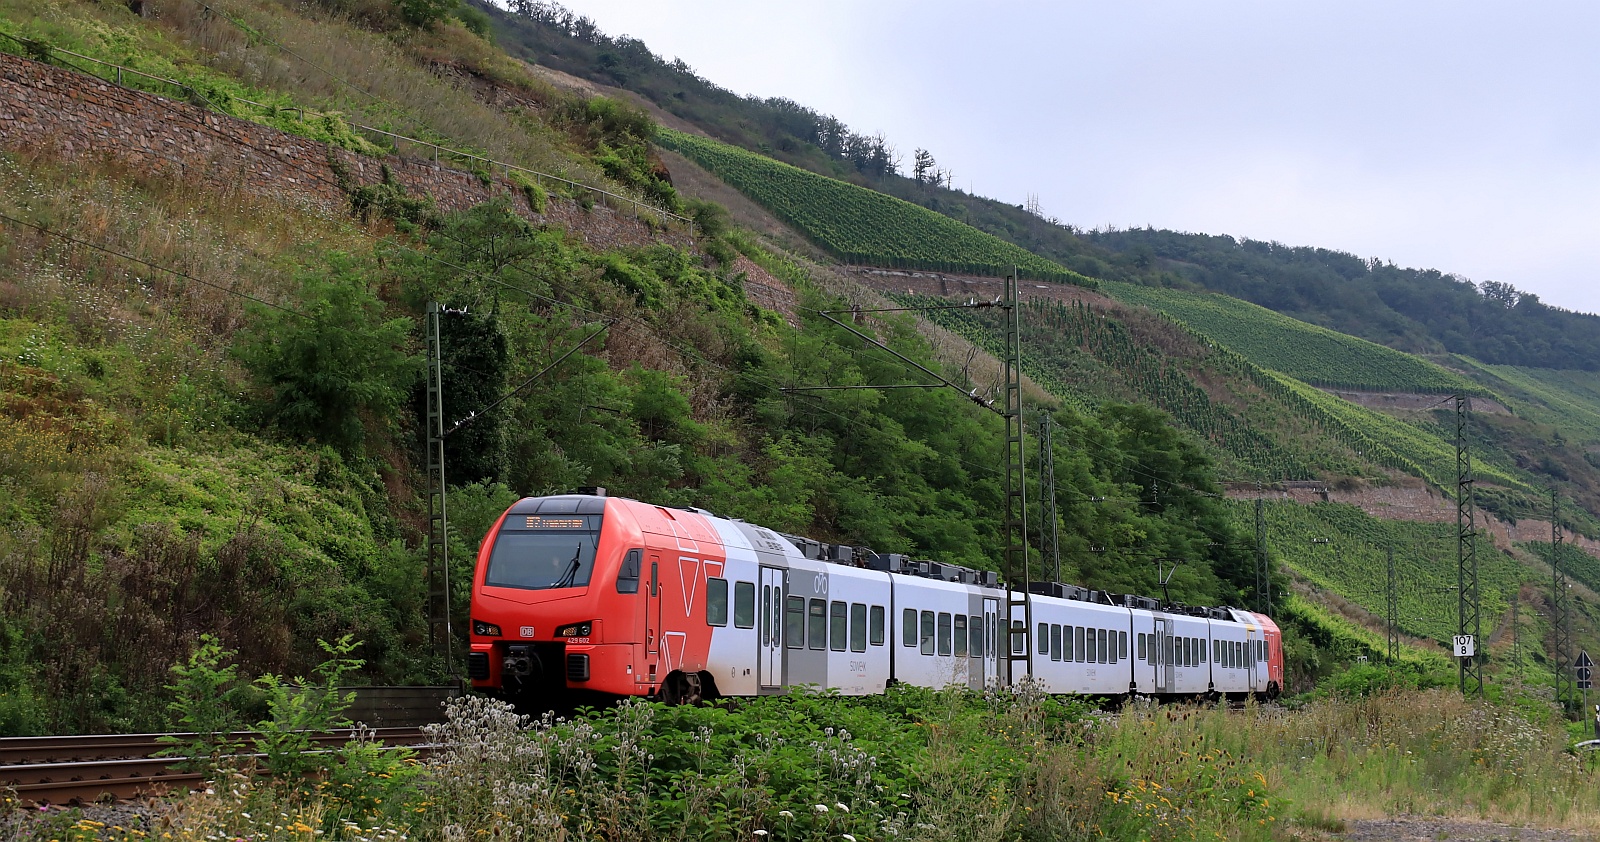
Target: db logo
(527, 631)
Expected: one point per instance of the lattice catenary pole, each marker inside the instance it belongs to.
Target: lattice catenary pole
(1469, 620)
(1560, 613)
(440, 633)
(1019, 580)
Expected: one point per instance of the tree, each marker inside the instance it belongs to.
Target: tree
(334, 366)
(922, 167)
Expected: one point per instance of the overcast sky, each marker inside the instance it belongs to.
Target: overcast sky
(1450, 135)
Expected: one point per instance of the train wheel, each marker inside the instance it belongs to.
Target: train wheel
(682, 689)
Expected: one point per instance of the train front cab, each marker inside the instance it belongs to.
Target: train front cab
(589, 595)
(555, 604)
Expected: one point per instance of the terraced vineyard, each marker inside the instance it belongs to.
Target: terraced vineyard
(864, 226)
(1354, 564)
(1084, 355)
(1569, 400)
(1304, 351)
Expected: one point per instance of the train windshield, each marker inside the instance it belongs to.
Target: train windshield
(542, 553)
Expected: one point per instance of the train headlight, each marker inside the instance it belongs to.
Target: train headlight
(482, 629)
(576, 629)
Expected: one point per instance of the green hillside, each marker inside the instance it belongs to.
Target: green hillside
(863, 226)
(1303, 351)
(1568, 400)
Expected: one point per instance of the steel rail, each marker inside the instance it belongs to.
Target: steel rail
(68, 769)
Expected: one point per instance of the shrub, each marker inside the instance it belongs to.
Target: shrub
(332, 367)
(425, 14)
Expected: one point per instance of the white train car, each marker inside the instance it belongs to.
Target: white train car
(1081, 647)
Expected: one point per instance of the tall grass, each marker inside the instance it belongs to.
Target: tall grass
(1400, 752)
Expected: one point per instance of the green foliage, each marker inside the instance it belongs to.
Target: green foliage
(1422, 310)
(859, 225)
(1369, 679)
(298, 711)
(1304, 351)
(535, 195)
(425, 14)
(387, 199)
(475, 21)
(201, 707)
(334, 367)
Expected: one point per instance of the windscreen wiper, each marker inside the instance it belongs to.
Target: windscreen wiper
(572, 570)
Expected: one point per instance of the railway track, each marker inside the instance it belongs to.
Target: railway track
(81, 769)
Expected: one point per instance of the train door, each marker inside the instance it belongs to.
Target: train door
(1250, 663)
(770, 657)
(991, 658)
(652, 621)
(1161, 654)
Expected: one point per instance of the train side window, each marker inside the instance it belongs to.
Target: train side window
(1105, 652)
(975, 628)
(1261, 650)
(776, 614)
(628, 575)
(1111, 641)
(716, 601)
(1088, 647)
(1043, 636)
(1238, 654)
(960, 635)
(795, 618)
(1216, 652)
(1077, 644)
(858, 627)
(1167, 644)
(1200, 649)
(838, 625)
(908, 627)
(744, 605)
(927, 633)
(1122, 644)
(1019, 637)
(1144, 647)
(1055, 642)
(877, 625)
(944, 633)
(767, 628)
(817, 629)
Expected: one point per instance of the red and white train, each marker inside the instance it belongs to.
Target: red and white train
(585, 592)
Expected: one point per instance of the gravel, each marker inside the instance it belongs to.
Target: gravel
(1417, 828)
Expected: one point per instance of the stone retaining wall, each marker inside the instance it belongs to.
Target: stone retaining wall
(73, 115)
